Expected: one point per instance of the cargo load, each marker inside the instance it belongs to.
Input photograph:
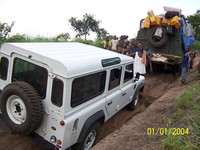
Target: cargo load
(166, 36)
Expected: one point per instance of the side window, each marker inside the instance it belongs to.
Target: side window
(32, 74)
(3, 68)
(57, 92)
(115, 76)
(128, 75)
(87, 87)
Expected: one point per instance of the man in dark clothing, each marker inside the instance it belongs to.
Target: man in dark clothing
(186, 65)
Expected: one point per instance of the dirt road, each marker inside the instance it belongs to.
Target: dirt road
(128, 129)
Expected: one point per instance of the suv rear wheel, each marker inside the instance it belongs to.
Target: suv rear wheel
(90, 138)
(21, 107)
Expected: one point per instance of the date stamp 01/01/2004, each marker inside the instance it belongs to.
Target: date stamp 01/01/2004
(167, 131)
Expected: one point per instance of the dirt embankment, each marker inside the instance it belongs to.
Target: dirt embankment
(127, 130)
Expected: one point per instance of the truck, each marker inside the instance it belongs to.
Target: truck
(164, 38)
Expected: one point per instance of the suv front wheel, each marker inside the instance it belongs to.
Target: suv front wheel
(133, 104)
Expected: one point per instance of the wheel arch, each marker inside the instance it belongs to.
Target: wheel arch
(97, 117)
(139, 88)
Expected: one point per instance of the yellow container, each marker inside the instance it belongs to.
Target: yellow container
(151, 16)
(153, 19)
(150, 13)
(175, 22)
(147, 22)
(158, 21)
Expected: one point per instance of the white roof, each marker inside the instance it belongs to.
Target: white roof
(65, 59)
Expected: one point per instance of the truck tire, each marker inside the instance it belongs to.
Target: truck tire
(89, 139)
(133, 104)
(155, 41)
(21, 107)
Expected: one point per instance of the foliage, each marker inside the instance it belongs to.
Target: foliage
(84, 26)
(195, 22)
(16, 38)
(40, 39)
(196, 46)
(5, 29)
(89, 42)
(102, 34)
(63, 37)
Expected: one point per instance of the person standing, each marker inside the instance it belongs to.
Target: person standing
(121, 44)
(105, 43)
(140, 61)
(186, 65)
(114, 42)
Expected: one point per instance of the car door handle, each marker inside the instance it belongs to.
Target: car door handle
(123, 94)
(109, 103)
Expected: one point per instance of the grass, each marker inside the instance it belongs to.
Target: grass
(89, 42)
(24, 38)
(187, 106)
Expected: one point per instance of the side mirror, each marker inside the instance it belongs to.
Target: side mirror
(137, 77)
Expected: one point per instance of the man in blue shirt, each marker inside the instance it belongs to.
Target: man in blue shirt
(186, 65)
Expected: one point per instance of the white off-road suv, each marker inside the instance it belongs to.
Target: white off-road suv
(61, 93)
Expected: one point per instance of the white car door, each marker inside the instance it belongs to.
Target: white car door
(127, 85)
(114, 92)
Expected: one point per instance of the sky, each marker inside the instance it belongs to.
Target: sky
(49, 18)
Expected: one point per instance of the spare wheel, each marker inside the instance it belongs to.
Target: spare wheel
(21, 107)
(157, 41)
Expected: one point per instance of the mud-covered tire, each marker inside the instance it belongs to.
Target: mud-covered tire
(21, 107)
(90, 138)
(157, 42)
(134, 103)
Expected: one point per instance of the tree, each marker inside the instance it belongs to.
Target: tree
(63, 37)
(102, 34)
(5, 29)
(84, 26)
(195, 22)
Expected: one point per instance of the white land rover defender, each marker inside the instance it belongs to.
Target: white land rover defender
(61, 93)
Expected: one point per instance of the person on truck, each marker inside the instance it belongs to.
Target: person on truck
(186, 65)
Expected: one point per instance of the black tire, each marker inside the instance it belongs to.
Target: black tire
(88, 142)
(21, 107)
(134, 103)
(156, 41)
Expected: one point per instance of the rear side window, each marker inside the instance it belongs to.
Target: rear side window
(115, 76)
(87, 87)
(32, 74)
(128, 75)
(3, 68)
(57, 92)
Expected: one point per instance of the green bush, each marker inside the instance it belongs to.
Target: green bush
(196, 46)
(16, 38)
